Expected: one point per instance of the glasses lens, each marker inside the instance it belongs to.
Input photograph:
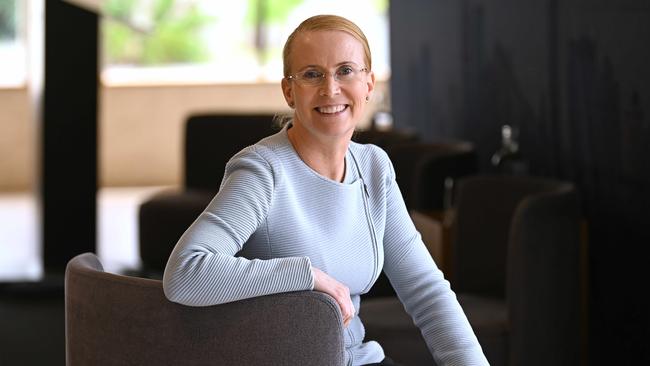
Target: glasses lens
(314, 77)
(345, 74)
(310, 77)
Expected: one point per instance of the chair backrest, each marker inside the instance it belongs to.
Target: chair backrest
(484, 212)
(120, 320)
(422, 168)
(544, 279)
(212, 139)
(384, 138)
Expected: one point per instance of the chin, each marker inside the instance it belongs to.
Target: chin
(336, 129)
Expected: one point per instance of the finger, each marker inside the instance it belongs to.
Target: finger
(348, 318)
(347, 321)
(345, 314)
(344, 311)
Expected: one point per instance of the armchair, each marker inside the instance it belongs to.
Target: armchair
(515, 270)
(385, 138)
(516, 252)
(120, 320)
(210, 141)
(422, 168)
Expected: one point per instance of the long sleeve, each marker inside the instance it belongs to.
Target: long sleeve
(203, 269)
(423, 290)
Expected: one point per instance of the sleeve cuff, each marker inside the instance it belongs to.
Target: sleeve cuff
(309, 272)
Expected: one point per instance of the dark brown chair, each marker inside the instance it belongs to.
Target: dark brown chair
(515, 269)
(210, 141)
(385, 138)
(119, 320)
(422, 169)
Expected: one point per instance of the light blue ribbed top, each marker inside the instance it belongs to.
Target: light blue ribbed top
(274, 217)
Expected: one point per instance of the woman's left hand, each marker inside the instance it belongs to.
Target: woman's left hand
(340, 292)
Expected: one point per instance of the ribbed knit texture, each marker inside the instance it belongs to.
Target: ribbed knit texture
(274, 218)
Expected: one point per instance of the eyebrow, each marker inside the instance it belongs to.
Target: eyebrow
(337, 65)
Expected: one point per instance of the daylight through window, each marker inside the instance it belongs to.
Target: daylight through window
(219, 41)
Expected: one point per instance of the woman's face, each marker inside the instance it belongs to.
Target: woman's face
(330, 108)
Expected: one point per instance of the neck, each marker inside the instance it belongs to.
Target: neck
(324, 156)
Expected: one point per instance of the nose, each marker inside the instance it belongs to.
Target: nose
(329, 86)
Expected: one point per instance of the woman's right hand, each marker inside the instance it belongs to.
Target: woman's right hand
(341, 293)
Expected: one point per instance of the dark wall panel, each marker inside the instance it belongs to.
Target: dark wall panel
(428, 91)
(573, 77)
(604, 100)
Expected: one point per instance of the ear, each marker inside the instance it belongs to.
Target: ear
(371, 82)
(287, 88)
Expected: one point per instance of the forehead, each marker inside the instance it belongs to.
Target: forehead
(325, 49)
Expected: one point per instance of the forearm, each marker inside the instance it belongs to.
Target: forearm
(203, 270)
(425, 293)
(428, 298)
(202, 278)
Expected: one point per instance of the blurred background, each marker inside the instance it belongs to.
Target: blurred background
(94, 96)
(158, 62)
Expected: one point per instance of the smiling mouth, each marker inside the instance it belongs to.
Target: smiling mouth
(332, 109)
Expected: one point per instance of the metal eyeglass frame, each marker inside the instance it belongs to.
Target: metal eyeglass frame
(321, 79)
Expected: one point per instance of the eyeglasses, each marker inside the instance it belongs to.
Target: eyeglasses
(345, 74)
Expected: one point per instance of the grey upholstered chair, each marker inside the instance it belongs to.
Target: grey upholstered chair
(515, 269)
(119, 320)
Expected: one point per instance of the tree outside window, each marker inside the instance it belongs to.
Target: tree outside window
(7, 20)
(12, 45)
(219, 41)
(154, 33)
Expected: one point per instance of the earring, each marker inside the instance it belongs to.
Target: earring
(291, 105)
(367, 98)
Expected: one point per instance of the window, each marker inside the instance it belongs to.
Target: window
(12, 43)
(219, 41)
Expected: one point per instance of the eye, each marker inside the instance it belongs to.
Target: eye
(345, 71)
(311, 75)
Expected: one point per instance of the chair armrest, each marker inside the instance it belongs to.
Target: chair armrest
(163, 218)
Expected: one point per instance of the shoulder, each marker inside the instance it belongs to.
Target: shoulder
(261, 159)
(372, 160)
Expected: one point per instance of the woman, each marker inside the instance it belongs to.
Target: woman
(307, 209)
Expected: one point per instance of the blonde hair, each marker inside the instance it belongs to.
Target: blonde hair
(326, 23)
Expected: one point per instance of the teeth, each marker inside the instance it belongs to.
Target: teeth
(331, 108)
